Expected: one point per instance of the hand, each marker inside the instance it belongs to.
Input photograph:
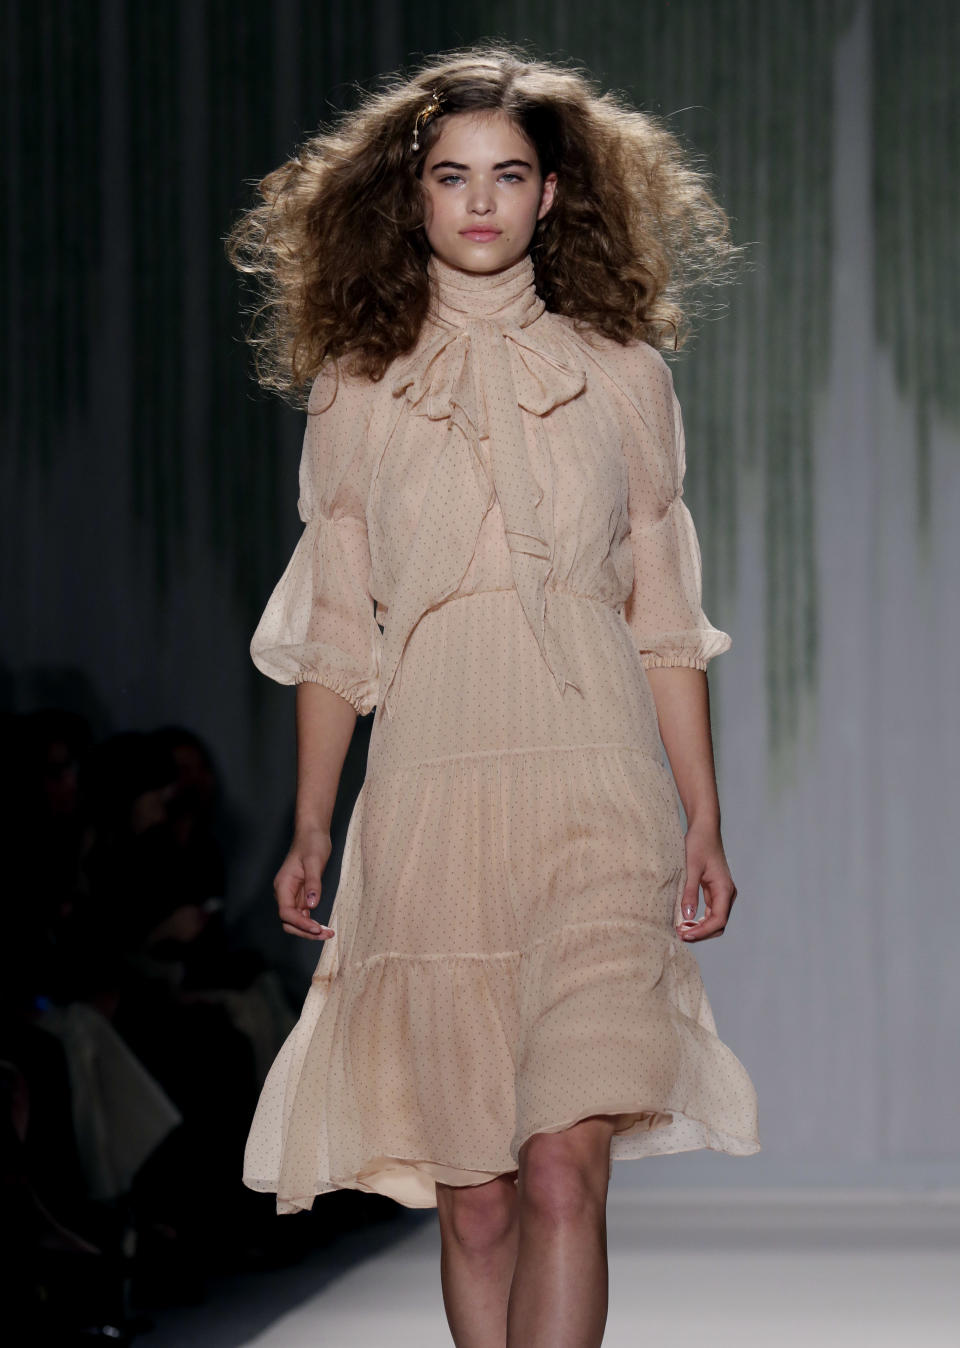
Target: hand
(707, 868)
(296, 885)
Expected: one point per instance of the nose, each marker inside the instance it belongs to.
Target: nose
(480, 200)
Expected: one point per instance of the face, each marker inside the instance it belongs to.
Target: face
(484, 193)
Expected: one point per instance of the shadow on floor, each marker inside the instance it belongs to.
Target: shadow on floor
(343, 1230)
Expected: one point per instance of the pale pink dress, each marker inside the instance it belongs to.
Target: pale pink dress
(505, 959)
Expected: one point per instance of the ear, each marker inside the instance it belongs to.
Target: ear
(547, 195)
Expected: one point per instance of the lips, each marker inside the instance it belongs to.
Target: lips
(480, 235)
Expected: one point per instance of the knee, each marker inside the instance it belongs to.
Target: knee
(478, 1217)
(561, 1180)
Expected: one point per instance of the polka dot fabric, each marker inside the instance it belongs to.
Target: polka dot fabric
(505, 959)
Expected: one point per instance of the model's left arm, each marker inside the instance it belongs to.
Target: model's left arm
(673, 636)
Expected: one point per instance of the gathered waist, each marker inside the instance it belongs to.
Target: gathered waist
(473, 681)
(550, 591)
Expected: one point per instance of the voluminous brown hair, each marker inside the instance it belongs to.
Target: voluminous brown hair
(337, 242)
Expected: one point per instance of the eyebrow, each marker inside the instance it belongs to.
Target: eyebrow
(507, 163)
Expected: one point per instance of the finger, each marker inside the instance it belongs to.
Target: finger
(304, 921)
(691, 894)
(307, 935)
(711, 925)
(312, 871)
(688, 904)
(320, 935)
(295, 917)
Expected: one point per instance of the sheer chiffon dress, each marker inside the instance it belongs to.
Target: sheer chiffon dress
(495, 550)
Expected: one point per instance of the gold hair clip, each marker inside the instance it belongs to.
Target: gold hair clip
(424, 115)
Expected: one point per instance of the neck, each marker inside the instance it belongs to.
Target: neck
(509, 297)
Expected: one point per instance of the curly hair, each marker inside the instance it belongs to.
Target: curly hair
(339, 251)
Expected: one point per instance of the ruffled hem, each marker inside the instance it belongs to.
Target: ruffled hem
(408, 1180)
(362, 702)
(693, 649)
(606, 1017)
(672, 662)
(412, 1180)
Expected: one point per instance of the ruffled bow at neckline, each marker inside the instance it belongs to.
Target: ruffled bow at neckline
(486, 352)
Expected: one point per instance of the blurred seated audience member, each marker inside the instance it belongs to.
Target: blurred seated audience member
(191, 1006)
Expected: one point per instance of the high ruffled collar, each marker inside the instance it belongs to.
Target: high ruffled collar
(509, 298)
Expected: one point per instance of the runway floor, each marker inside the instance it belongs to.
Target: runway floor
(727, 1269)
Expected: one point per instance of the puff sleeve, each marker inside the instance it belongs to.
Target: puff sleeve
(664, 611)
(319, 624)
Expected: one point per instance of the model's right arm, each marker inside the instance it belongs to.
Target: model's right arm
(325, 725)
(319, 632)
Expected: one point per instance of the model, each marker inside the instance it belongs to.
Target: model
(471, 276)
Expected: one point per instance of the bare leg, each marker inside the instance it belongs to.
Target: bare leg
(560, 1288)
(478, 1249)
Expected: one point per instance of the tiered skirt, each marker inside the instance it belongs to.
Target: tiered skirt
(505, 959)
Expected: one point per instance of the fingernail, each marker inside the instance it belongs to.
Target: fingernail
(312, 896)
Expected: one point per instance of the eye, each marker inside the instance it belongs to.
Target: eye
(514, 176)
(450, 178)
